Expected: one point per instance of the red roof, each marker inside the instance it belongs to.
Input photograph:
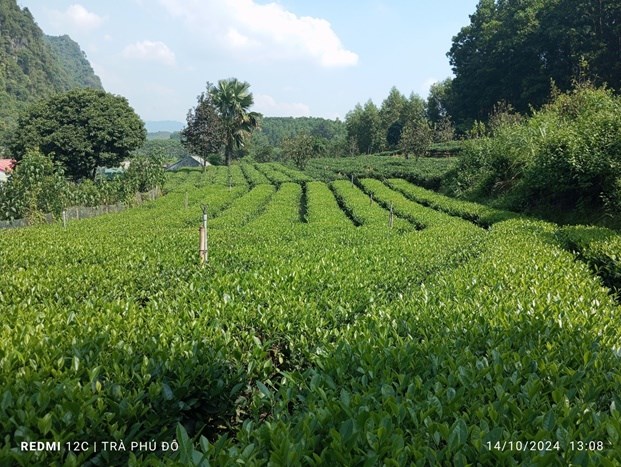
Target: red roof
(6, 165)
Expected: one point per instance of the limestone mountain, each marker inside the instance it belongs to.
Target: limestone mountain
(73, 60)
(33, 65)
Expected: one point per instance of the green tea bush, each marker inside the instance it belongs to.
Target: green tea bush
(304, 343)
(600, 248)
(480, 214)
(322, 209)
(253, 176)
(364, 211)
(273, 175)
(427, 172)
(237, 176)
(293, 174)
(245, 208)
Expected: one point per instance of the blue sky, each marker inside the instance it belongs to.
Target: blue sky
(316, 58)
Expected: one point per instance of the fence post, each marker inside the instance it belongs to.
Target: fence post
(64, 218)
(390, 217)
(186, 200)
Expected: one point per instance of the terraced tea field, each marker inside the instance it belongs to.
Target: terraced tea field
(315, 335)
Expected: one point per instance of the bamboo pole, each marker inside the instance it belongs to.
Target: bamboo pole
(203, 246)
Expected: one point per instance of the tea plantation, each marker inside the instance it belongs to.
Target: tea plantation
(315, 334)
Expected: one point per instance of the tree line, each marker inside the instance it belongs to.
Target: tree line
(516, 52)
(508, 59)
(220, 127)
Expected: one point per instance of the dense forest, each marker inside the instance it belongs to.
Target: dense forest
(33, 66)
(276, 129)
(512, 51)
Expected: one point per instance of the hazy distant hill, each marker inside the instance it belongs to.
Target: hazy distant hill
(32, 65)
(163, 126)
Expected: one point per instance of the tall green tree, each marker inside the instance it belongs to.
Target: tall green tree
(301, 148)
(233, 98)
(439, 101)
(364, 127)
(371, 138)
(416, 138)
(81, 129)
(204, 133)
(416, 109)
(392, 116)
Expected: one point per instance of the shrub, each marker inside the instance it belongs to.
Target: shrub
(144, 174)
(36, 186)
(566, 154)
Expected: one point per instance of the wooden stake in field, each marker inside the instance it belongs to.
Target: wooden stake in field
(352, 179)
(64, 218)
(370, 199)
(390, 217)
(203, 245)
(186, 200)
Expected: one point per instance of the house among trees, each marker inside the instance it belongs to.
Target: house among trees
(110, 173)
(6, 166)
(188, 161)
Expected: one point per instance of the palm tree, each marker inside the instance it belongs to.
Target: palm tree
(233, 99)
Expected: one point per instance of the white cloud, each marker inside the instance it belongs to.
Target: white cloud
(239, 40)
(154, 51)
(269, 107)
(263, 32)
(77, 17)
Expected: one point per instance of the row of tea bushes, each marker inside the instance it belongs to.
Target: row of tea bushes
(236, 176)
(294, 175)
(274, 176)
(253, 176)
(300, 343)
(519, 346)
(404, 207)
(322, 208)
(284, 208)
(480, 214)
(363, 210)
(427, 172)
(245, 207)
(600, 248)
